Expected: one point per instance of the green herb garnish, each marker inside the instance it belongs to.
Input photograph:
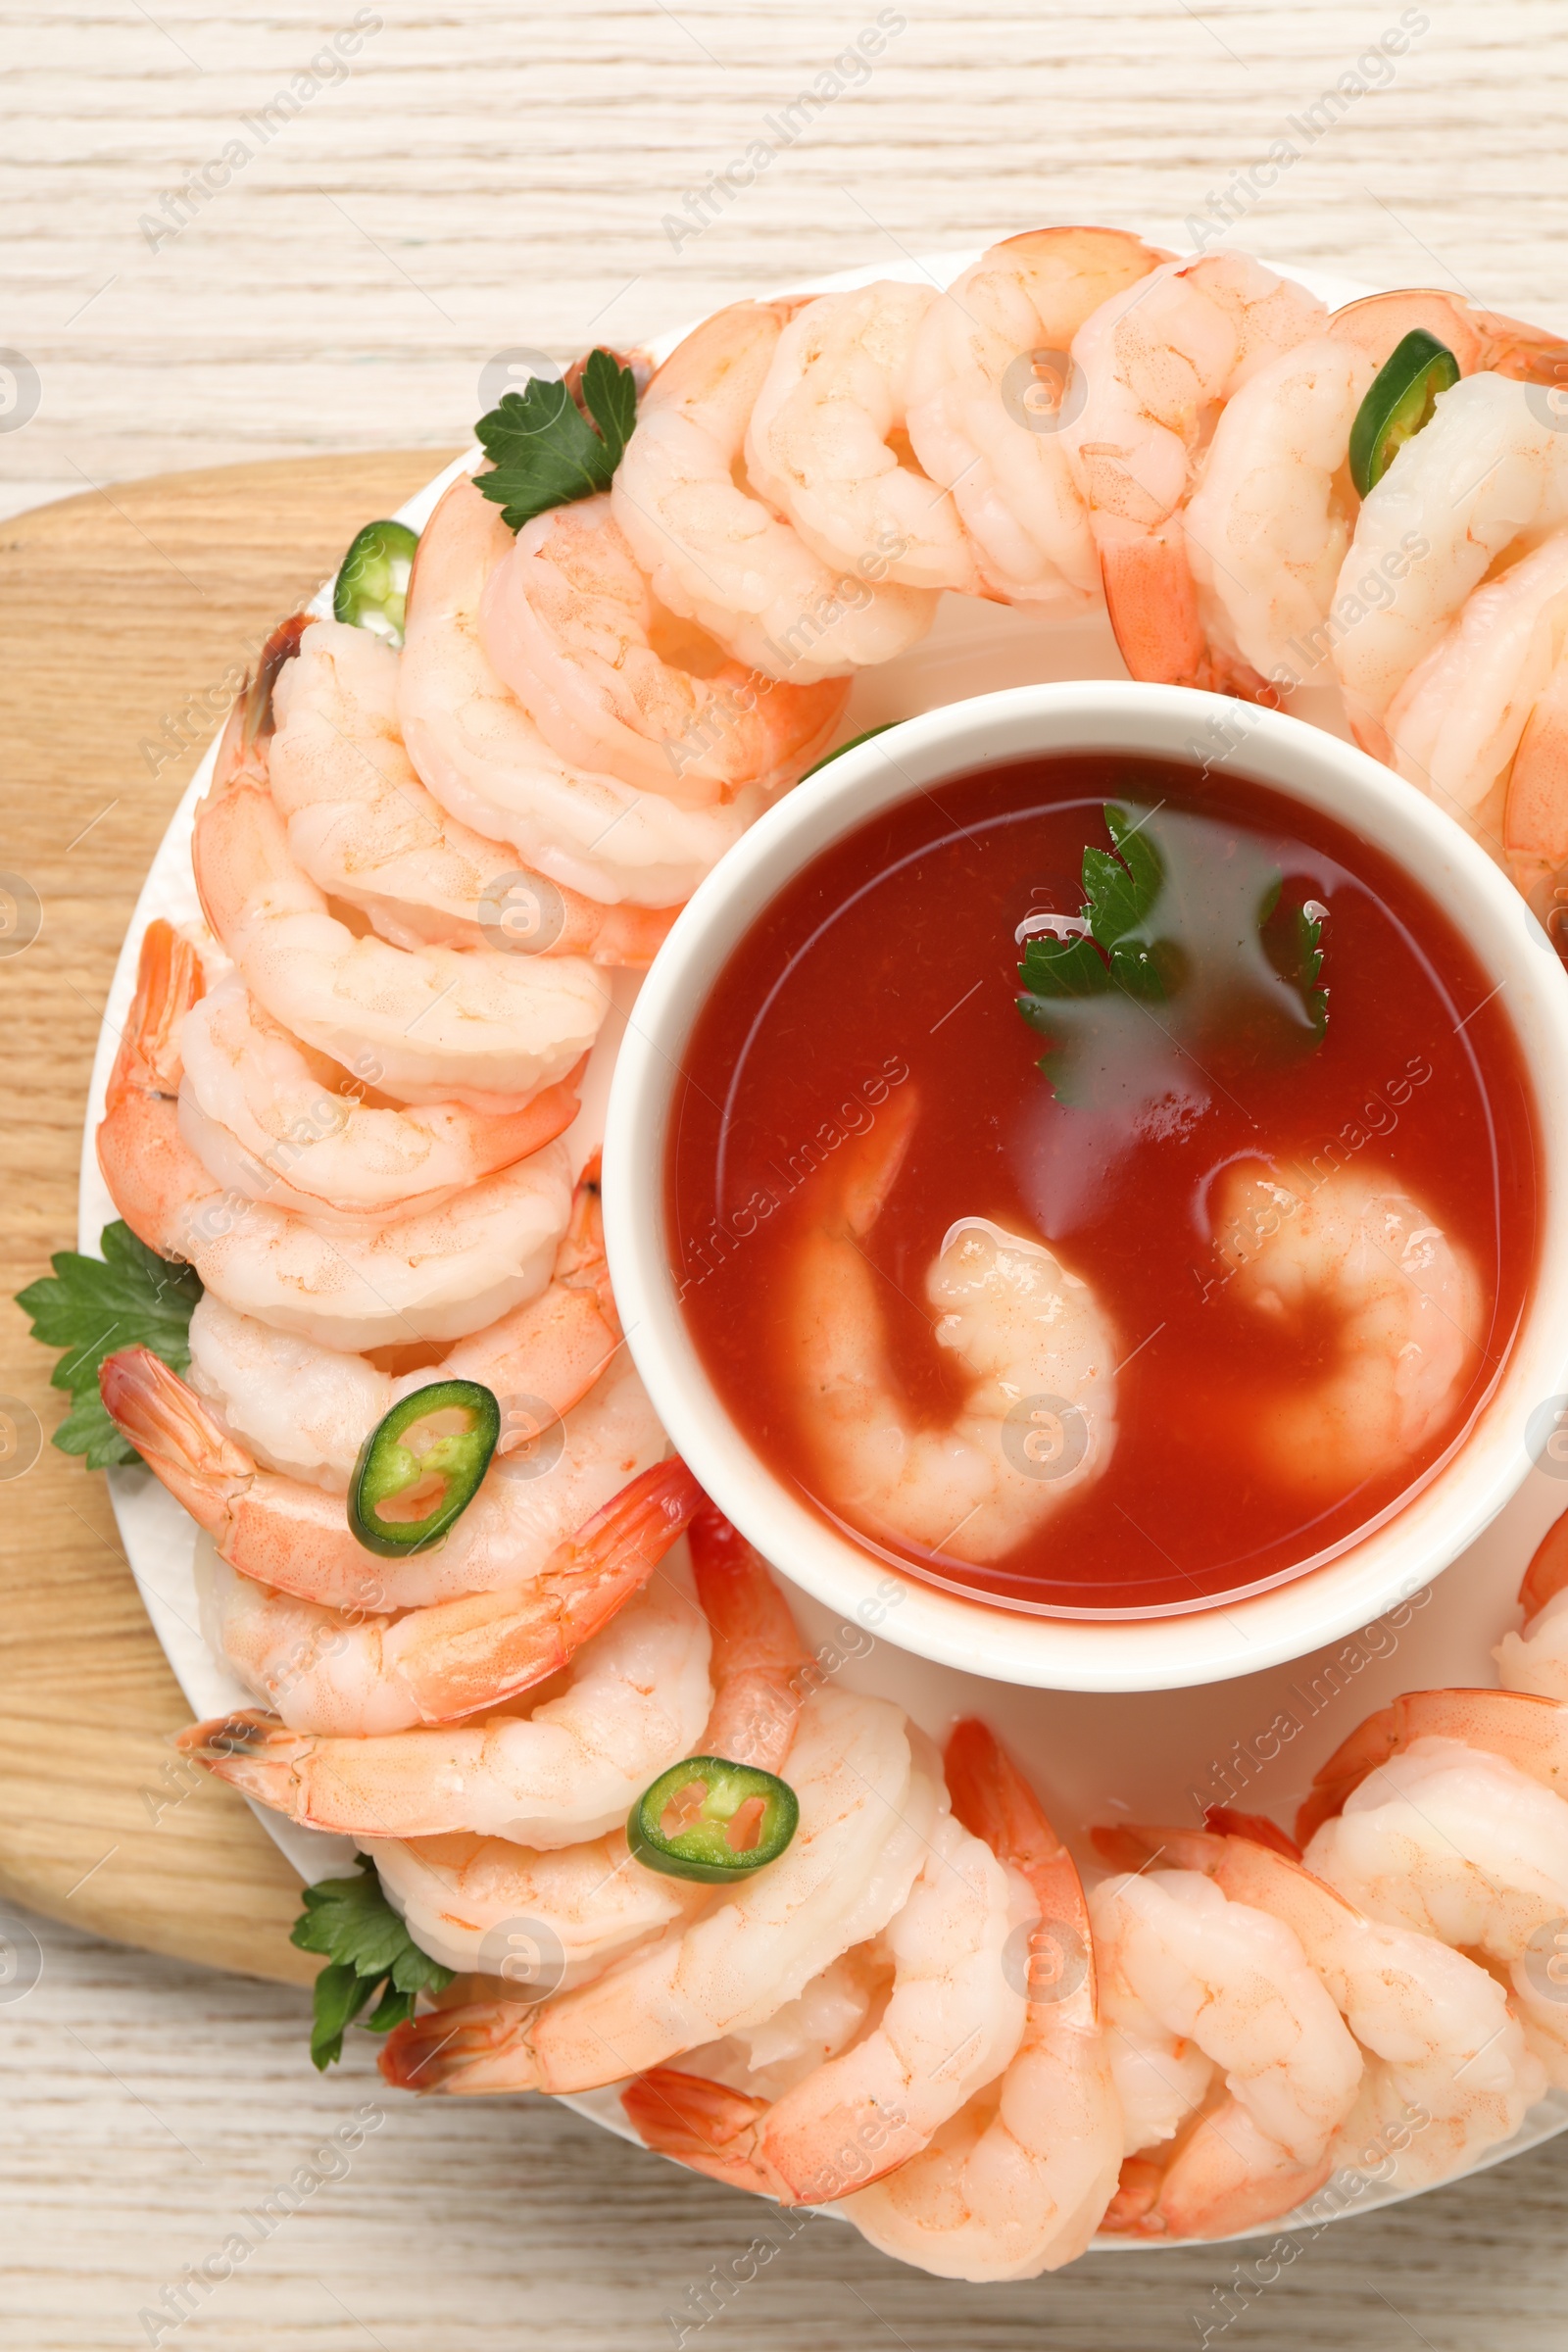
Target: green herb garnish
(1184, 960)
(369, 1950)
(92, 1307)
(543, 451)
(1117, 951)
(1292, 939)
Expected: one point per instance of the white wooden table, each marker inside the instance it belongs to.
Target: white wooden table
(490, 177)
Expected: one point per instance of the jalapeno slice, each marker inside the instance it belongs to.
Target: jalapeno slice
(712, 1820)
(1398, 404)
(373, 579)
(420, 1466)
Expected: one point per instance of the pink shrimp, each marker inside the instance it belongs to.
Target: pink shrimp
(569, 624)
(1443, 2054)
(433, 1274)
(595, 1901)
(1156, 359)
(1528, 1731)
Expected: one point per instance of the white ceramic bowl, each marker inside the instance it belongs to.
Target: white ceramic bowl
(1234, 1636)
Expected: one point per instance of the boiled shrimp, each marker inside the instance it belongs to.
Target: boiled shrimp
(587, 1904)
(1407, 1298)
(1486, 477)
(636, 1696)
(1156, 359)
(827, 443)
(870, 1803)
(1268, 524)
(366, 829)
(1441, 2047)
(1462, 1845)
(1179, 1959)
(1482, 341)
(568, 622)
(483, 757)
(340, 1674)
(1477, 724)
(970, 420)
(437, 1276)
(268, 1126)
(295, 1537)
(1038, 1421)
(305, 1410)
(952, 2022)
(763, 2062)
(1527, 1732)
(713, 551)
(493, 1029)
(1018, 2180)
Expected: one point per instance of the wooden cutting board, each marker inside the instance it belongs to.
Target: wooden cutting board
(127, 619)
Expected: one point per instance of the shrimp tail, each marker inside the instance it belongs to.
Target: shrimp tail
(1227, 2179)
(174, 1434)
(580, 1261)
(292, 1537)
(993, 1799)
(483, 2047)
(1129, 1845)
(760, 1672)
(873, 1161)
(1223, 1822)
(145, 1164)
(1153, 602)
(168, 982)
(1548, 1572)
(249, 729)
(255, 1754)
(1136, 2194)
(704, 2124)
(478, 1658)
(1524, 1729)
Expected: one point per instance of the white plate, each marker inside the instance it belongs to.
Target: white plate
(1146, 1757)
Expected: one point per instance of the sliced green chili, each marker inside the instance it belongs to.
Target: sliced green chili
(374, 579)
(421, 1465)
(1399, 404)
(712, 1820)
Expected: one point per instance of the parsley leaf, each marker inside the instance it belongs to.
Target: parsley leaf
(1121, 888)
(544, 451)
(93, 1306)
(1184, 960)
(369, 1950)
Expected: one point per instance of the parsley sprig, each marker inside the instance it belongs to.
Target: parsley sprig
(1200, 940)
(369, 1951)
(93, 1306)
(1121, 888)
(545, 453)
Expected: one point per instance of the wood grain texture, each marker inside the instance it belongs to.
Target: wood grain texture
(490, 175)
(127, 620)
(151, 2107)
(496, 173)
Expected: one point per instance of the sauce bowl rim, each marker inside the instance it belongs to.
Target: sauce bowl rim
(1229, 1636)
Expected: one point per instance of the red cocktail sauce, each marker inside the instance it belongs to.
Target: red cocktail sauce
(890, 962)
